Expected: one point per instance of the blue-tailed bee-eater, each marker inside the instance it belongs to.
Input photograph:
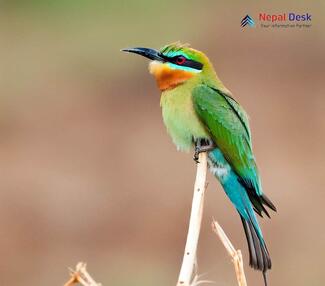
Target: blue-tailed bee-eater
(201, 114)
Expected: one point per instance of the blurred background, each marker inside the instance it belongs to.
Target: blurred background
(88, 172)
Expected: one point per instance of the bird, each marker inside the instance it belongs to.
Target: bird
(202, 115)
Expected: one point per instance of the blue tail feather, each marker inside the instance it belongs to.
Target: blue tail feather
(259, 256)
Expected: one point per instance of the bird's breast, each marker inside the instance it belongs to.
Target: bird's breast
(180, 119)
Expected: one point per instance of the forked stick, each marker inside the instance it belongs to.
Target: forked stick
(236, 255)
(186, 274)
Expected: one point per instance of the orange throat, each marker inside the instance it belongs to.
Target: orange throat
(166, 77)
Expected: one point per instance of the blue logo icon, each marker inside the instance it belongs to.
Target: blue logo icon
(247, 20)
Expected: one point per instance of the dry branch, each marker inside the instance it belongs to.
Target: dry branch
(189, 260)
(81, 276)
(236, 255)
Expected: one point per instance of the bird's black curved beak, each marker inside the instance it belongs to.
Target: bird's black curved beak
(146, 52)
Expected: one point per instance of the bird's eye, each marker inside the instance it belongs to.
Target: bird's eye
(180, 60)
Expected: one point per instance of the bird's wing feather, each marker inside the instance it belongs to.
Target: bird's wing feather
(228, 125)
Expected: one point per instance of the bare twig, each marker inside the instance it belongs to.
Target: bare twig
(189, 260)
(81, 276)
(236, 255)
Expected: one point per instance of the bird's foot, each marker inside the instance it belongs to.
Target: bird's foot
(196, 155)
(202, 145)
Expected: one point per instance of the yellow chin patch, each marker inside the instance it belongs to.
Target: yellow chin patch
(166, 77)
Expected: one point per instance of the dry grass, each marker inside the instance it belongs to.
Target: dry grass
(81, 276)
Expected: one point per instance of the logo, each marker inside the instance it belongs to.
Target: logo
(279, 20)
(247, 20)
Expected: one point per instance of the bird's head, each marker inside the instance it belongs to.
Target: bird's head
(175, 64)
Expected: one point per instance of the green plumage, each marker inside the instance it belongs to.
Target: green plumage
(228, 126)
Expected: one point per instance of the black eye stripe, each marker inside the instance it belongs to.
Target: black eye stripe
(188, 63)
(193, 64)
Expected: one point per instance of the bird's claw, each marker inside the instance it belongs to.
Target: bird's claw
(202, 145)
(196, 155)
(196, 159)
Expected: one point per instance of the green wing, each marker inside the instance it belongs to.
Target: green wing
(228, 125)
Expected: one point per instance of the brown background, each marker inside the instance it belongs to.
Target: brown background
(88, 172)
